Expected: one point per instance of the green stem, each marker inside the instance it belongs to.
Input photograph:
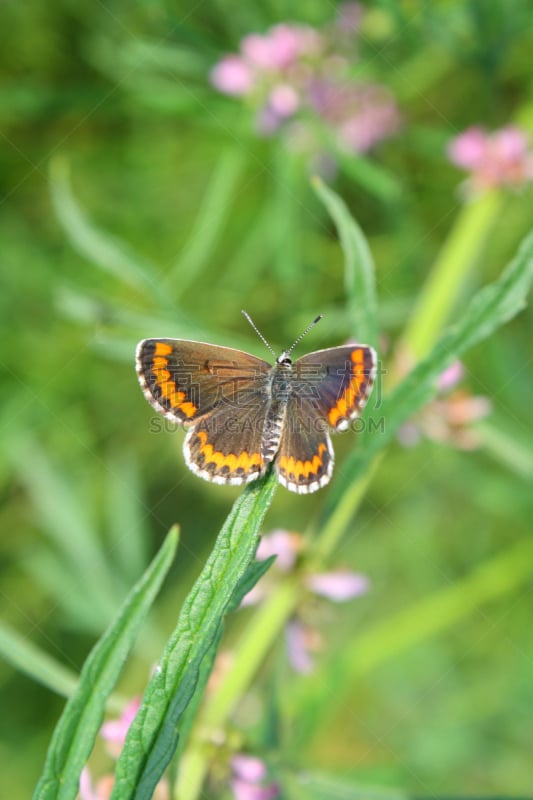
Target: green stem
(336, 524)
(254, 645)
(455, 262)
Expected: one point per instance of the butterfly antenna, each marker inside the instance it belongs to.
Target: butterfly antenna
(256, 329)
(301, 336)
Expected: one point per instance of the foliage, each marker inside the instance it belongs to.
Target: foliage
(139, 201)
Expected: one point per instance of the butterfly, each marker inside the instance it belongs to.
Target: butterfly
(243, 413)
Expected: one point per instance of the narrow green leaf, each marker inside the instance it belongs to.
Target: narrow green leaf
(153, 736)
(27, 657)
(99, 247)
(210, 220)
(253, 574)
(492, 306)
(359, 272)
(126, 516)
(66, 521)
(456, 261)
(78, 726)
(370, 176)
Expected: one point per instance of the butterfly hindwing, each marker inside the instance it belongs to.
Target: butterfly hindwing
(304, 462)
(226, 446)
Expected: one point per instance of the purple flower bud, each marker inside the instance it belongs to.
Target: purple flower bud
(285, 545)
(249, 779)
(299, 642)
(450, 377)
(232, 75)
(339, 586)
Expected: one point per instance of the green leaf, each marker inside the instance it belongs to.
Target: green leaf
(78, 726)
(210, 221)
(27, 657)
(253, 574)
(154, 734)
(359, 272)
(491, 308)
(101, 248)
(373, 178)
(67, 522)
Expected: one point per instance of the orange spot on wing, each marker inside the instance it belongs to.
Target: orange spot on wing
(188, 408)
(348, 400)
(162, 349)
(167, 387)
(291, 465)
(245, 460)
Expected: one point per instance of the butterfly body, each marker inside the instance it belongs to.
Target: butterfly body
(242, 413)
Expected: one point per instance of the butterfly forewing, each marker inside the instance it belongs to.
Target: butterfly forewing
(186, 380)
(337, 381)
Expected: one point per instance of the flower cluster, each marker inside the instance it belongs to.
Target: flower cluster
(303, 639)
(501, 158)
(297, 78)
(449, 418)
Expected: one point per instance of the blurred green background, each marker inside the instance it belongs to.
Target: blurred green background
(136, 202)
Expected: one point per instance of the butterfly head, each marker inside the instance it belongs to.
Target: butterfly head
(284, 360)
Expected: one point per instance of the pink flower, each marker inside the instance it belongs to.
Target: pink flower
(115, 731)
(101, 791)
(450, 377)
(501, 158)
(468, 149)
(338, 586)
(280, 47)
(284, 100)
(349, 17)
(285, 545)
(303, 642)
(361, 114)
(249, 779)
(449, 417)
(295, 75)
(233, 76)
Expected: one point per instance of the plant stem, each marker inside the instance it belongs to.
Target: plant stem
(454, 264)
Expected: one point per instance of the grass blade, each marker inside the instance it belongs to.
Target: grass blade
(154, 734)
(76, 730)
(27, 657)
(210, 220)
(359, 272)
(99, 247)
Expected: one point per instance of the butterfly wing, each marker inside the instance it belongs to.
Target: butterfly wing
(226, 446)
(186, 380)
(219, 394)
(337, 382)
(328, 389)
(304, 462)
